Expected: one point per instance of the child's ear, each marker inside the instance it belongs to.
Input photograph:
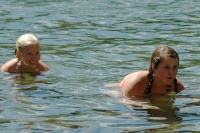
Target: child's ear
(17, 54)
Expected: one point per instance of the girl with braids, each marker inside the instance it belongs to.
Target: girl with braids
(160, 79)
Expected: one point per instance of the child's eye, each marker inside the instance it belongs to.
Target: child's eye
(166, 67)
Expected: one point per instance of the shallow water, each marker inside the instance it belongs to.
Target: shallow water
(91, 43)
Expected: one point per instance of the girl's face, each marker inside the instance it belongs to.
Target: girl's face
(30, 56)
(166, 71)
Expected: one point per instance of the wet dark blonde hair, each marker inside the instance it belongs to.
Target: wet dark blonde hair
(156, 58)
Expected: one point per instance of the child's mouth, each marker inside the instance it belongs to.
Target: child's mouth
(33, 62)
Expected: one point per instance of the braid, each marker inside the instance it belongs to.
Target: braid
(156, 62)
(150, 78)
(176, 85)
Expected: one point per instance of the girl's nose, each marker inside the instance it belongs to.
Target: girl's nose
(171, 71)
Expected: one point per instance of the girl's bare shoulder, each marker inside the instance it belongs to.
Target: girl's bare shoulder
(139, 75)
(135, 83)
(180, 85)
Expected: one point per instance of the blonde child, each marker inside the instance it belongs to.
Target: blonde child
(27, 54)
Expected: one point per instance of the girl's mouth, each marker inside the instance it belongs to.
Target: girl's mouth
(170, 79)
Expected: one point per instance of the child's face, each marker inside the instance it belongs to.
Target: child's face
(167, 70)
(30, 56)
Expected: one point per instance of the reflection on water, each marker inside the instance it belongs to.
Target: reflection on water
(23, 79)
(166, 110)
(157, 110)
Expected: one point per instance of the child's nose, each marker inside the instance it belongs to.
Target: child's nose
(34, 56)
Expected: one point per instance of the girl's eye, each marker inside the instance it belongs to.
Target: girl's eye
(175, 67)
(166, 67)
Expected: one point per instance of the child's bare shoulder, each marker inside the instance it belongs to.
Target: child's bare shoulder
(9, 66)
(42, 66)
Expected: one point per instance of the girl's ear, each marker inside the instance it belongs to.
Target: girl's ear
(17, 54)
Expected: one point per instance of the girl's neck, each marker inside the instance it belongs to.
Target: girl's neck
(161, 87)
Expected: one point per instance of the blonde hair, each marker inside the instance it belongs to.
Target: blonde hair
(24, 41)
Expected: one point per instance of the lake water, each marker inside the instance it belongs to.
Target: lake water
(91, 43)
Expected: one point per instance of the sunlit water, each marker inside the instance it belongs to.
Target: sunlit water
(91, 43)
